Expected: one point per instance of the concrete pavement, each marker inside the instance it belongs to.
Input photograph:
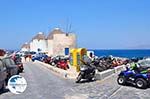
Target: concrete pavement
(44, 84)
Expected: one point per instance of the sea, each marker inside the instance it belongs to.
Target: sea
(138, 53)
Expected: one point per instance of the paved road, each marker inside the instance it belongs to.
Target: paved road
(43, 84)
(109, 89)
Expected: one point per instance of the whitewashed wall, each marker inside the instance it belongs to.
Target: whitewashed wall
(25, 49)
(35, 44)
(50, 47)
(56, 46)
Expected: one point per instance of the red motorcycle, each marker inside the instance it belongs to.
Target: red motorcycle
(62, 64)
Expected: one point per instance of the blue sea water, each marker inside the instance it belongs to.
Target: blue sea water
(123, 53)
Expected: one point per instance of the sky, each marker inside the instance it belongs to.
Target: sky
(98, 24)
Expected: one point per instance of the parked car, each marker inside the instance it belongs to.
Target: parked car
(39, 57)
(33, 53)
(12, 69)
(3, 76)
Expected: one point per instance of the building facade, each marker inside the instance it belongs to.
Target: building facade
(59, 42)
(39, 43)
(56, 43)
(25, 47)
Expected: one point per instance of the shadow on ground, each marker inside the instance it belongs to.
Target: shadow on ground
(86, 81)
(4, 91)
(133, 86)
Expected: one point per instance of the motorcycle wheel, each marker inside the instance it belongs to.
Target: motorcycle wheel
(90, 79)
(78, 78)
(121, 80)
(141, 83)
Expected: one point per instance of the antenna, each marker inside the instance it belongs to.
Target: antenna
(70, 27)
(67, 22)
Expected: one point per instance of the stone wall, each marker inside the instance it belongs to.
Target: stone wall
(62, 41)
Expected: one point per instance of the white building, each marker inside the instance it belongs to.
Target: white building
(39, 43)
(59, 42)
(25, 47)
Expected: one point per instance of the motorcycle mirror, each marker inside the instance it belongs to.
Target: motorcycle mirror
(127, 68)
(148, 69)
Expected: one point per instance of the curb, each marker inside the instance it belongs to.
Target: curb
(61, 72)
(106, 73)
(70, 75)
(119, 68)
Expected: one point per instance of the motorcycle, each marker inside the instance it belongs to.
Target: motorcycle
(87, 71)
(62, 64)
(102, 64)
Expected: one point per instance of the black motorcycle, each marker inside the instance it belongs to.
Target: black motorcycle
(103, 63)
(87, 71)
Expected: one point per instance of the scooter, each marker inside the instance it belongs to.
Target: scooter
(87, 71)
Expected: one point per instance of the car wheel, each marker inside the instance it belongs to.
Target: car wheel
(121, 80)
(4, 86)
(141, 83)
(18, 72)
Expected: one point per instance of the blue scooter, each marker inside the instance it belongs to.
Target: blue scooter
(134, 77)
